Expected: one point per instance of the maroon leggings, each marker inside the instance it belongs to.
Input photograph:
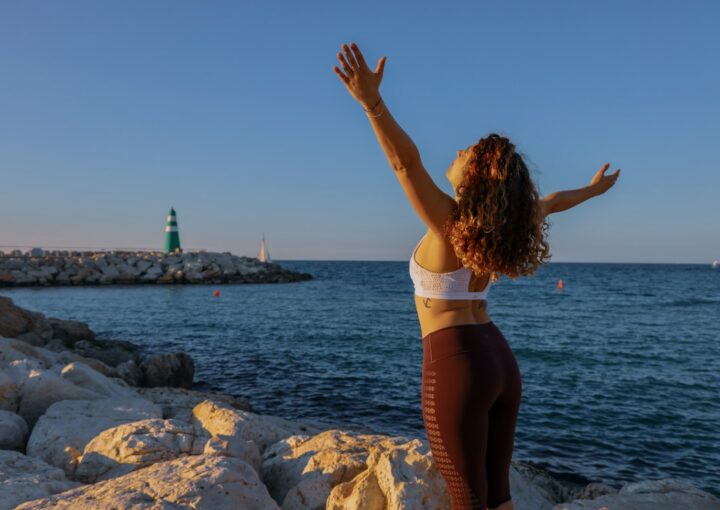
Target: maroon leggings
(471, 391)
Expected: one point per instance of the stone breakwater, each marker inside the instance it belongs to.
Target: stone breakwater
(103, 268)
(87, 424)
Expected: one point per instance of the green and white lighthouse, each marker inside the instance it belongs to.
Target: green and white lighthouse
(172, 236)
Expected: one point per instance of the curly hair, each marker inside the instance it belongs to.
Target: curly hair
(498, 225)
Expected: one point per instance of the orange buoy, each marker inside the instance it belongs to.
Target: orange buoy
(216, 293)
(560, 284)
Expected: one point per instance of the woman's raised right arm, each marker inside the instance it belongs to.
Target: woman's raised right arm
(364, 84)
(431, 204)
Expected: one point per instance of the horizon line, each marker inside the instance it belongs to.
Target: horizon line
(550, 262)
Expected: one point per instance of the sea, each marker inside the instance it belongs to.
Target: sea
(620, 367)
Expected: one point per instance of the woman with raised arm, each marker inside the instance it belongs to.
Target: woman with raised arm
(495, 224)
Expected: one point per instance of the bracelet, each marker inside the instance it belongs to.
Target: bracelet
(371, 109)
(382, 110)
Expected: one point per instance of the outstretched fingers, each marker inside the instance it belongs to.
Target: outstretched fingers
(344, 78)
(346, 67)
(359, 57)
(350, 57)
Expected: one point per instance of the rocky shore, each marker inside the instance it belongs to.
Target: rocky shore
(102, 268)
(100, 424)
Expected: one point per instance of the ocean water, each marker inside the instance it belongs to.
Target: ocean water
(620, 368)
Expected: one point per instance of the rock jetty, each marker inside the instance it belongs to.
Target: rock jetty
(87, 424)
(35, 268)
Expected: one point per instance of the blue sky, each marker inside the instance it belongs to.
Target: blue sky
(111, 112)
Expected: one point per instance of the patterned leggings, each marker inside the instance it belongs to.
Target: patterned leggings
(471, 390)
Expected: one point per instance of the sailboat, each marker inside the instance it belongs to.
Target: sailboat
(264, 255)
(715, 264)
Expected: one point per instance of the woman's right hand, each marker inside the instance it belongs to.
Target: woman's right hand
(362, 83)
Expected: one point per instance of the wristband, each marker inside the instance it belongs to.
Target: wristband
(371, 109)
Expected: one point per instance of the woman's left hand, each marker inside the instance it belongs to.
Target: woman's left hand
(362, 83)
(601, 182)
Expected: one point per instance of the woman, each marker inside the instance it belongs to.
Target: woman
(496, 224)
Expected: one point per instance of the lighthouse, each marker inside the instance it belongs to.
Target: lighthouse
(172, 236)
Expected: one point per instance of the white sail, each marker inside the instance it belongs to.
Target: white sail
(264, 255)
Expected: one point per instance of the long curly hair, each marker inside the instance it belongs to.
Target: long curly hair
(498, 225)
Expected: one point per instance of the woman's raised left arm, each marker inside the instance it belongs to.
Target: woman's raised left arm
(563, 200)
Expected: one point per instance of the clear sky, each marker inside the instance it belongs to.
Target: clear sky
(111, 112)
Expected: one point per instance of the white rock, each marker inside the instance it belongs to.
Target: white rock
(12, 349)
(25, 478)
(242, 449)
(13, 431)
(337, 470)
(301, 471)
(85, 377)
(670, 493)
(398, 476)
(65, 357)
(62, 433)
(196, 482)
(178, 403)
(125, 448)
(42, 388)
(19, 370)
(220, 419)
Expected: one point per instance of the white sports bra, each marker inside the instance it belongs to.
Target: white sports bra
(449, 285)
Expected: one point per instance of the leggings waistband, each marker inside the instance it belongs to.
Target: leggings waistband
(474, 324)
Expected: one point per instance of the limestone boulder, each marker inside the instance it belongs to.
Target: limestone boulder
(649, 495)
(20, 369)
(9, 393)
(242, 449)
(142, 265)
(61, 434)
(399, 474)
(195, 482)
(301, 471)
(152, 273)
(39, 389)
(70, 331)
(178, 403)
(130, 372)
(12, 349)
(14, 320)
(110, 352)
(221, 420)
(65, 357)
(85, 377)
(13, 431)
(24, 478)
(131, 446)
(33, 338)
(337, 470)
